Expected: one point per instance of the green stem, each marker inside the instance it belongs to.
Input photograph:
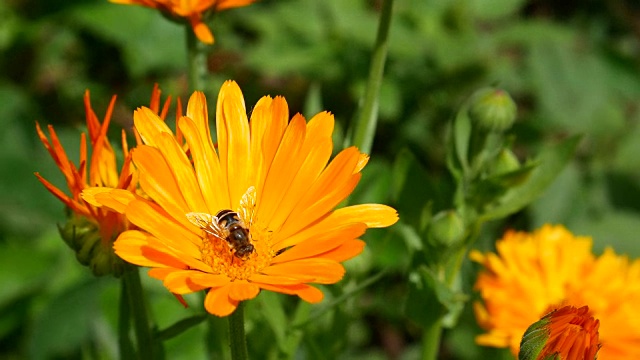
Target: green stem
(124, 341)
(450, 271)
(238, 341)
(367, 119)
(197, 58)
(137, 305)
(431, 341)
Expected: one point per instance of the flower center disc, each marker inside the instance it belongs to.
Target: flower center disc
(218, 254)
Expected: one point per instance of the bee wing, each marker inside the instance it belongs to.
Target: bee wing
(248, 206)
(206, 222)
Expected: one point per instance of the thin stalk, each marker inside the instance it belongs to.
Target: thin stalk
(197, 61)
(366, 122)
(433, 332)
(431, 341)
(124, 321)
(138, 311)
(238, 341)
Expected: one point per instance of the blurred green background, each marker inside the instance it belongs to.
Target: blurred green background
(573, 67)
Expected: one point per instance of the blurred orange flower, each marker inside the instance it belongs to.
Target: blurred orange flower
(99, 171)
(192, 10)
(535, 273)
(255, 212)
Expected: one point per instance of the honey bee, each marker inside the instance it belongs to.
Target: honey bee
(231, 226)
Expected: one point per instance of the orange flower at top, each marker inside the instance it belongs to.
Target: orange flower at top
(564, 334)
(256, 212)
(192, 10)
(101, 171)
(535, 273)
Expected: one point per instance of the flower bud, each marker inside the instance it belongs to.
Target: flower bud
(85, 239)
(446, 229)
(492, 110)
(564, 334)
(506, 162)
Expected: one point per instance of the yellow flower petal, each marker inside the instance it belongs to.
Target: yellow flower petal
(345, 251)
(206, 164)
(243, 290)
(172, 234)
(134, 247)
(218, 302)
(182, 172)
(188, 281)
(149, 125)
(276, 175)
(309, 270)
(319, 243)
(233, 140)
(156, 179)
(283, 169)
(114, 199)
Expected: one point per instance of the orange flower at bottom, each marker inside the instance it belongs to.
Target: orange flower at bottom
(255, 213)
(193, 11)
(564, 334)
(534, 273)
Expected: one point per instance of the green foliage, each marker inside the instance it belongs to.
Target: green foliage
(573, 70)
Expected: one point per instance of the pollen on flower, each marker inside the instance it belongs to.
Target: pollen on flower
(219, 255)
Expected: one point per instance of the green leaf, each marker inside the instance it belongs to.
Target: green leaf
(413, 188)
(460, 137)
(495, 9)
(66, 321)
(34, 267)
(431, 299)
(491, 188)
(552, 161)
(275, 316)
(615, 228)
(148, 40)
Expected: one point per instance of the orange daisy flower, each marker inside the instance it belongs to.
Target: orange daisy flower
(564, 334)
(91, 230)
(535, 273)
(192, 10)
(257, 213)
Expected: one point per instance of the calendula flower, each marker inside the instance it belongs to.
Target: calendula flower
(535, 273)
(564, 334)
(255, 213)
(91, 230)
(193, 11)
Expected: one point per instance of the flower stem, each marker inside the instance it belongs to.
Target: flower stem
(431, 341)
(238, 341)
(197, 58)
(138, 311)
(124, 342)
(365, 127)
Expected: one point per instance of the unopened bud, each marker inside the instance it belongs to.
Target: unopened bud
(493, 110)
(564, 334)
(85, 239)
(446, 229)
(506, 162)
